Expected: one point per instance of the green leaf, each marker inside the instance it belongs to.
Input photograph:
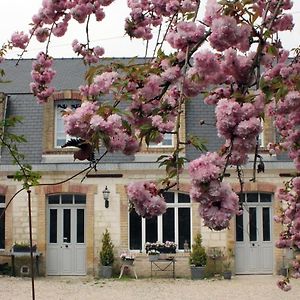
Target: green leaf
(198, 143)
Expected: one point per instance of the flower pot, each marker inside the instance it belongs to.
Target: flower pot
(227, 275)
(153, 257)
(197, 272)
(106, 271)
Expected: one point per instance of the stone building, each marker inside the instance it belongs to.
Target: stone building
(70, 217)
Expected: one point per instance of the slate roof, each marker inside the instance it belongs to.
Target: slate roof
(70, 75)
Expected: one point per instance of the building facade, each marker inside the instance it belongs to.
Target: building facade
(69, 217)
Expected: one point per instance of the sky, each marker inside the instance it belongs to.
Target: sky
(16, 16)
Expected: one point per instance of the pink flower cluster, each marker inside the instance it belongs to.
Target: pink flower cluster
(90, 55)
(101, 84)
(286, 111)
(86, 121)
(19, 39)
(215, 69)
(227, 33)
(42, 74)
(145, 14)
(185, 34)
(60, 13)
(146, 199)
(239, 125)
(217, 202)
(284, 285)
(290, 218)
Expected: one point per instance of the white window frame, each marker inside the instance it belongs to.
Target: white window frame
(176, 205)
(70, 103)
(261, 136)
(166, 137)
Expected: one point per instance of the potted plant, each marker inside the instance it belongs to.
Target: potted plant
(227, 261)
(127, 259)
(106, 255)
(198, 258)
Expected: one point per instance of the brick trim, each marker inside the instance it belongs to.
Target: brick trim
(89, 190)
(49, 120)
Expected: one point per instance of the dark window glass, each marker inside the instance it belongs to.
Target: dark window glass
(239, 229)
(169, 197)
(135, 231)
(53, 199)
(67, 226)
(2, 229)
(53, 226)
(183, 198)
(168, 225)
(252, 197)
(80, 225)
(266, 224)
(80, 199)
(67, 199)
(265, 197)
(184, 225)
(2, 199)
(241, 197)
(151, 230)
(253, 224)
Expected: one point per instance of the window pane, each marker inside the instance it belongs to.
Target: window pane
(168, 139)
(53, 226)
(80, 199)
(67, 199)
(67, 226)
(252, 197)
(184, 225)
(60, 135)
(241, 197)
(168, 225)
(265, 197)
(80, 225)
(252, 223)
(151, 230)
(266, 224)
(53, 199)
(183, 198)
(135, 231)
(239, 229)
(169, 197)
(2, 229)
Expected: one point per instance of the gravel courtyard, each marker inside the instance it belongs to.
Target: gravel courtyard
(76, 288)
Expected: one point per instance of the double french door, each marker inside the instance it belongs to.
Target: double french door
(254, 246)
(66, 248)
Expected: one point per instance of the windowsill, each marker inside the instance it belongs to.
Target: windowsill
(58, 157)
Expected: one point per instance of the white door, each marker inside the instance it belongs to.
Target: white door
(66, 249)
(254, 246)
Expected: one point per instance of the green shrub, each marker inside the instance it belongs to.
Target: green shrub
(107, 251)
(198, 256)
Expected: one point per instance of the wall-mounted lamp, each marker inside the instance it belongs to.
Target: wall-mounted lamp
(106, 193)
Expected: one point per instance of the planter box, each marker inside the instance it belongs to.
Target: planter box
(24, 249)
(128, 261)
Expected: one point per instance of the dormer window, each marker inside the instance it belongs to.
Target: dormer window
(60, 136)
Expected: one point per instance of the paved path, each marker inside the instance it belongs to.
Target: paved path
(84, 288)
